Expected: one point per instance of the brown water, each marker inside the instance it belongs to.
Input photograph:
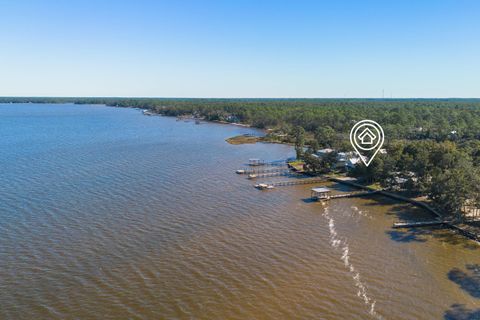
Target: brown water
(109, 214)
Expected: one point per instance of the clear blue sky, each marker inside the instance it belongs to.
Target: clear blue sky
(357, 48)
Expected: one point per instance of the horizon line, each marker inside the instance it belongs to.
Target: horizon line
(240, 98)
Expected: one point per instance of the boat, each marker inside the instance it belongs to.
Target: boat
(263, 186)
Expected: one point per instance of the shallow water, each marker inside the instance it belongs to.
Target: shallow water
(109, 214)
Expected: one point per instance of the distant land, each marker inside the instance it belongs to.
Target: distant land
(432, 146)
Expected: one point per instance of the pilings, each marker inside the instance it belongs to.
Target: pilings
(266, 170)
(431, 223)
(268, 174)
(294, 182)
(354, 194)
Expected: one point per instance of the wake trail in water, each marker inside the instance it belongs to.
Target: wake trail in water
(342, 244)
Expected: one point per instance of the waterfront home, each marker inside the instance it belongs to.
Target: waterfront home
(352, 163)
(402, 180)
(346, 160)
(324, 152)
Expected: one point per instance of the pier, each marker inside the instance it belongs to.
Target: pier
(323, 194)
(417, 224)
(268, 174)
(294, 182)
(265, 170)
(259, 162)
(461, 228)
(353, 195)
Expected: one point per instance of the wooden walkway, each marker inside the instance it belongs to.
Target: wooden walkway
(265, 170)
(354, 194)
(348, 195)
(269, 164)
(462, 228)
(419, 224)
(269, 174)
(294, 182)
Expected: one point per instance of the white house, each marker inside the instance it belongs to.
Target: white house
(352, 163)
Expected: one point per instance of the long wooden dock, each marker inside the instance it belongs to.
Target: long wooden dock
(464, 229)
(269, 174)
(263, 170)
(417, 224)
(353, 195)
(294, 182)
(344, 195)
(262, 163)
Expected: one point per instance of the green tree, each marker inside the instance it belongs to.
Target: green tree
(299, 135)
(326, 136)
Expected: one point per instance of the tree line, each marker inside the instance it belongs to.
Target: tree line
(433, 145)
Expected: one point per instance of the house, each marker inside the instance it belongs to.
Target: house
(352, 163)
(323, 152)
(367, 136)
(402, 180)
(343, 159)
(231, 118)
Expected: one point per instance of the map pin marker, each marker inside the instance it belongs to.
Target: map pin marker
(367, 139)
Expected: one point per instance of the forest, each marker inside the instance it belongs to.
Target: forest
(432, 144)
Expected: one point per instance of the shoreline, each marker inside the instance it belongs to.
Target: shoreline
(149, 112)
(471, 235)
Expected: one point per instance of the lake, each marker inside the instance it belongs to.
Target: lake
(109, 214)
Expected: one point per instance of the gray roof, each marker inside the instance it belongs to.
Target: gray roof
(321, 189)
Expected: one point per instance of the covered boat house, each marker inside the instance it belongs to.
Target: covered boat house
(320, 193)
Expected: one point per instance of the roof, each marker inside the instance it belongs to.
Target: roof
(321, 189)
(353, 160)
(326, 150)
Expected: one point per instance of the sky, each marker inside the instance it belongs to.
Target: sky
(240, 49)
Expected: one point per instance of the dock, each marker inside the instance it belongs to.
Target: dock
(294, 182)
(259, 162)
(417, 224)
(264, 170)
(268, 174)
(461, 228)
(323, 194)
(353, 195)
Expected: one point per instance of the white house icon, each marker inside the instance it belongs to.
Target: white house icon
(367, 136)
